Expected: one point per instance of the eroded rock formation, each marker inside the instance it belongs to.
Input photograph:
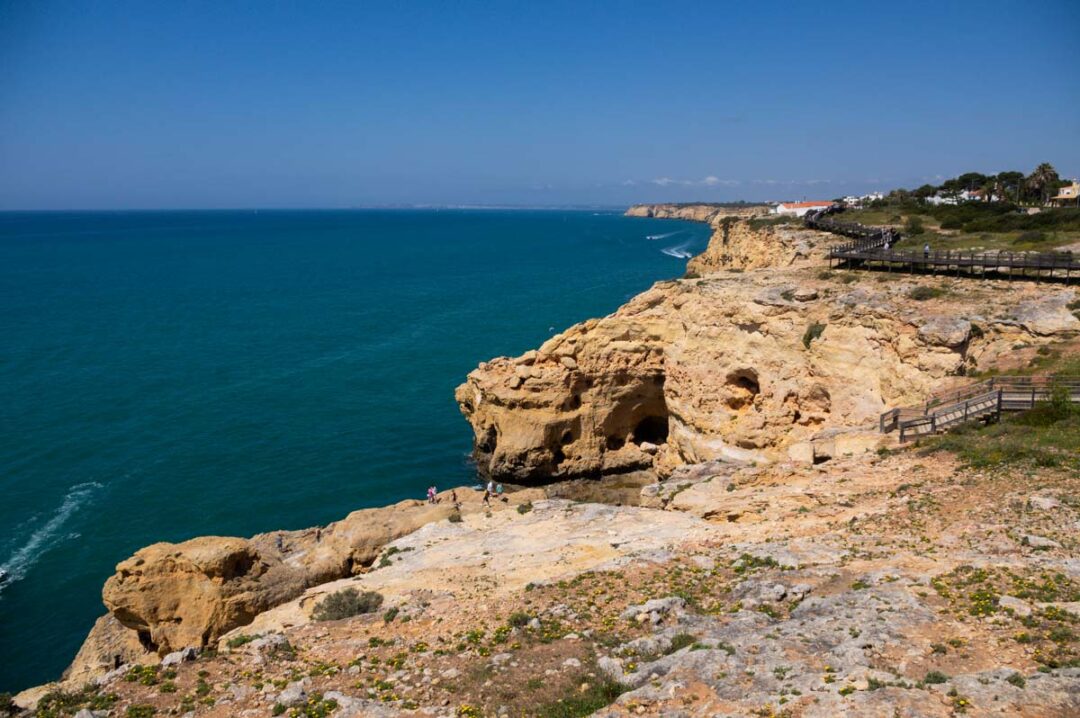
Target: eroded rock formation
(172, 596)
(741, 366)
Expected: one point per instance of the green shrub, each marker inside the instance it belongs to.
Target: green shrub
(346, 603)
(518, 619)
(525, 508)
(680, 641)
(455, 518)
(1017, 680)
(935, 677)
(914, 226)
(7, 705)
(390, 615)
(240, 640)
(921, 294)
(813, 331)
(143, 675)
(1060, 404)
(140, 711)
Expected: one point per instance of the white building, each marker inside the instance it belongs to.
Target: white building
(798, 209)
(857, 201)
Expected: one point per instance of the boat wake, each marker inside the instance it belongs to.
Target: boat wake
(47, 535)
(679, 251)
(663, 236)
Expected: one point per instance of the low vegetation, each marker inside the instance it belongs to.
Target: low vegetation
(921, 293)
(1048, 435)
(596, 693)
(813, 331)
(346, 603)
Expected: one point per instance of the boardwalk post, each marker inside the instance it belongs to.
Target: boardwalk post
(1000, 393)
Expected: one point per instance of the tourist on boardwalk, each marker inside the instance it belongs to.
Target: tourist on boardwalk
(926, 251)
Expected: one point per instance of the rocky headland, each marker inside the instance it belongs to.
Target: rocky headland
(729, 534)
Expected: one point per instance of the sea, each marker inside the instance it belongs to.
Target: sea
(165, 375)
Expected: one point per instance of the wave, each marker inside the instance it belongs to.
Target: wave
(679, 251)
(47, 535)
(664, 236)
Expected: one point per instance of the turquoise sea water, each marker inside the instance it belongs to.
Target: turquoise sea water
(165, 375)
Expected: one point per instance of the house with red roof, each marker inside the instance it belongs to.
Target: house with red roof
(798, 209)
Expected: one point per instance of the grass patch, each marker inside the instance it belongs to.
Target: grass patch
(63, 703)
(240, 640)
(601, 692)
(346, 603)
(680, 641)
(1046, 436)
(1048, 631)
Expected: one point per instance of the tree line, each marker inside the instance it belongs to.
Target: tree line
(1011, 186)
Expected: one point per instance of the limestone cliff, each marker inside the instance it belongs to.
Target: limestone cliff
(172, 596)
(740, 365)
(696, 212)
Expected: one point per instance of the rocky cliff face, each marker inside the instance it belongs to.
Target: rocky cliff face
(749, 362)
(173, 596)
(695, 212)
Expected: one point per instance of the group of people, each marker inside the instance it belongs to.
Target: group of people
(490, 490)
(493, 489)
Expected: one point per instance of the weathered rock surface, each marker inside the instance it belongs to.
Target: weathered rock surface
(109, 645)
(506, 551)
(697, 370)
(173, 596)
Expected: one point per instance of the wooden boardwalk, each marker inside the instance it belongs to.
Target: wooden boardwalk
(983, 401)
(872, 248)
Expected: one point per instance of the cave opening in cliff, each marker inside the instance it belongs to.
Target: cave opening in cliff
(489, 441)
(146, 641)
(653, 429)
(742, 386)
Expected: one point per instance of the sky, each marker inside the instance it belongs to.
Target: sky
(143, 105)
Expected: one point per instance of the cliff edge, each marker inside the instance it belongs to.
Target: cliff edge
(750, 358)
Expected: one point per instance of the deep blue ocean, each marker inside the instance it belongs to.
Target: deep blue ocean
(165, 375)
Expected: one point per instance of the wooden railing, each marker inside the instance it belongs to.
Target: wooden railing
(983, 400)
(874, 245)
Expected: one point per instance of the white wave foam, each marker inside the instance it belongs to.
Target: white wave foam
(663, 236)
(679, 251)
(47, 535)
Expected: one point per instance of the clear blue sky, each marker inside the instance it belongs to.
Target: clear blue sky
(325, 104)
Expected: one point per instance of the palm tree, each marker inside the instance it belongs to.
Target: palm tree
(1042, 181)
